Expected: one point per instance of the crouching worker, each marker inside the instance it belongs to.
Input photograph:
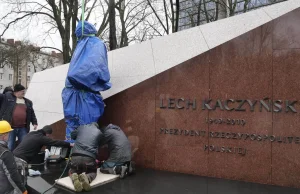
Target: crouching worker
(33, 143)
(119, 148)
(83, 166)
(10, 179)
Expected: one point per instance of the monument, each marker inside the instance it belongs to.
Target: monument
(219, 100)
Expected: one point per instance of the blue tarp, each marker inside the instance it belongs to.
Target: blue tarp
(88, 75)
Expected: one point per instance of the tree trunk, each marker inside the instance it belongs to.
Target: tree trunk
(223, 10)
(177, 15)
(205, 11)
(66, 42)
(62, 30)
(16, 69)
(217, 10)
(66, 49)
(246, 5)
(232, 6)
(166, 15)
(199, 13)
(173, 15)
(124, 36)
(112, 25)
(74, 22)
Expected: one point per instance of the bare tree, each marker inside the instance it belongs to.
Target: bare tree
(15, 55)
(166, 13)
(104, 21)
(6, 54)
(40, 61)
(112, 25)
(20, 54)
(62, 15)
(132, 14)
(204, 11)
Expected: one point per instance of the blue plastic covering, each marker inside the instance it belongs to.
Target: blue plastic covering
(88, 68)
(88, 75)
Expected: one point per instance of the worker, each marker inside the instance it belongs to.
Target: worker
(119, 148)
(33, 142)
(10, 179)
(83, 166)
(19, 112)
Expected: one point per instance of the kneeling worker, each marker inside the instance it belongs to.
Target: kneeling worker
(119, 148)
(10, 179)
(33, 142)
(83, 166)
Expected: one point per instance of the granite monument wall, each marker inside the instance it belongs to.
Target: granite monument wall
(231, 112)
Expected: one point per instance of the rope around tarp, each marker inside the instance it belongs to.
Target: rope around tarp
(82, 17)
(82, 20)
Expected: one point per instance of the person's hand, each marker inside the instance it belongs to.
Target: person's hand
(72, 144)
(25, 192)
(35, 127)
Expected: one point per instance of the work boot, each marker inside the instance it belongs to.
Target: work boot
(123, 172)
(77, 184)
(85, 182)
(131, 169)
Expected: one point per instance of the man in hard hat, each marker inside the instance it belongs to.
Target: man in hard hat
(10, 179)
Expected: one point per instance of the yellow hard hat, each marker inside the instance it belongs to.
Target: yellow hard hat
(5, 127)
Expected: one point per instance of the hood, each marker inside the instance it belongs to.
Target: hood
(7, 89)
(4, 144)
(111, 126)
(87, 30)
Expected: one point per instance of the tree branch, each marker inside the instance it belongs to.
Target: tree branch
(157, 17)
(17, 19)
(88, 16)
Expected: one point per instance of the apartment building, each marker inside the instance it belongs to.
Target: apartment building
(197, 12)
(17, 65)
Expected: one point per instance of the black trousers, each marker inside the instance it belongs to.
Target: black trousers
(84, 164)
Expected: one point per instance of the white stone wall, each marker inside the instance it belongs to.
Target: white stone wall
(133, 64)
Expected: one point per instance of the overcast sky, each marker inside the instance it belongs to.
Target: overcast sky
(34, 30)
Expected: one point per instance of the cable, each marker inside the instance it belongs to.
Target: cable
(58, 178)
(82, 17)
(62, 172)
(37, 164)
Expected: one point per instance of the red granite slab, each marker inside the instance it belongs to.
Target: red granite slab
(240, 69)
(286, 83)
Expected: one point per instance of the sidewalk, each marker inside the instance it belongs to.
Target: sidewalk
(148, 181)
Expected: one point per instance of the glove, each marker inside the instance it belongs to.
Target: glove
(25, 192)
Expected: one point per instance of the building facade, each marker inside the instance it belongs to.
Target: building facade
(19, 65)
(197, 12)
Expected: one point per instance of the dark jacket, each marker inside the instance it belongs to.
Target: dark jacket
(119, 147)
(7, 89)
(10, 179)
(8, 102)
(32, 144)
(87, 140)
